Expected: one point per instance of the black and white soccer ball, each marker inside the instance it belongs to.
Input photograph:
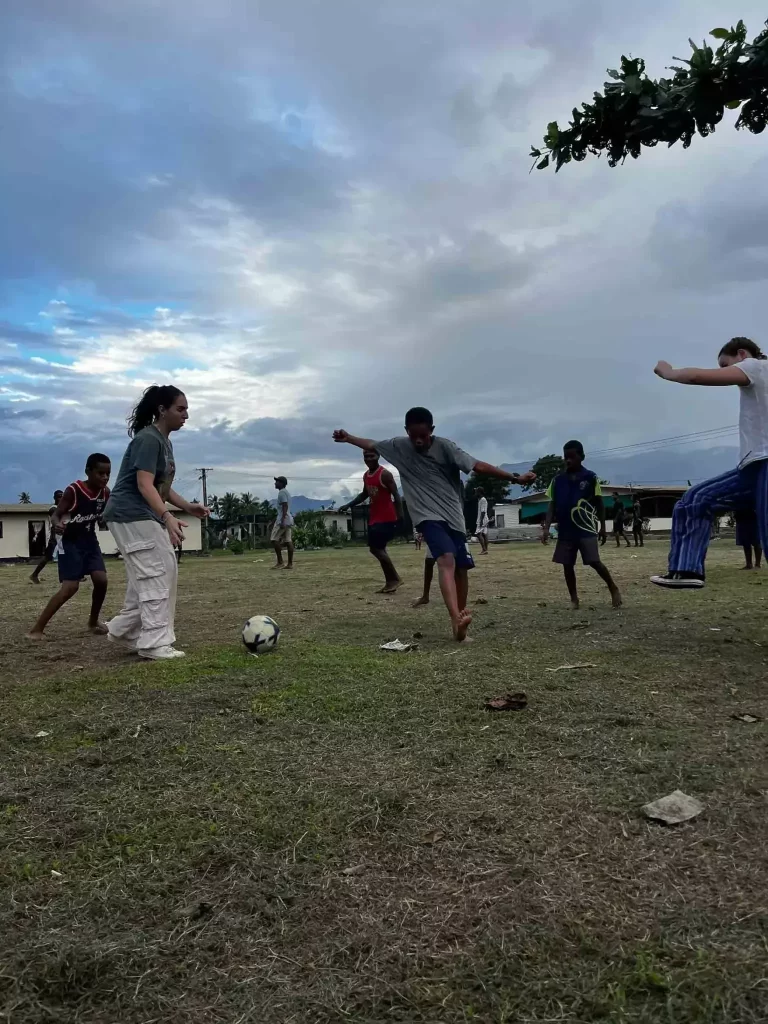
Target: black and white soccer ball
(260, 634)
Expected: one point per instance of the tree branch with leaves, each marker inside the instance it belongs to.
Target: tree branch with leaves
(635, 111)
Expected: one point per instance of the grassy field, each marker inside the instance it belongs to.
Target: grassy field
(331, 833)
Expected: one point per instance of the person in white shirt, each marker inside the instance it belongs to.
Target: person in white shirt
(741, 363)
(282, 531)
(481, 529)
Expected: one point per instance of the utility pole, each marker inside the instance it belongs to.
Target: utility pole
(204, 471)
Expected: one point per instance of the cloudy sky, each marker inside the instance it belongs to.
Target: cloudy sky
(310, 215)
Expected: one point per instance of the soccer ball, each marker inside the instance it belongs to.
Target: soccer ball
(260, 634)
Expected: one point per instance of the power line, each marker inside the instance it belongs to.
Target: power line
(697, 435)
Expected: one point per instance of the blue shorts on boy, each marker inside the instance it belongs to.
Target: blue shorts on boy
(442, 540)
(80, 557)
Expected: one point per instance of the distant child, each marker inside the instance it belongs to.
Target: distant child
(741, 364)
(430, 472)
(481, 527)
(637, 524)
(51, 546)
(747, 538)
(417, 539)
(74, 522)
(385, 512)
(576, 502)
(618, 522)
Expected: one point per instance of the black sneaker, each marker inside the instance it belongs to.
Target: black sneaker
(679, 580)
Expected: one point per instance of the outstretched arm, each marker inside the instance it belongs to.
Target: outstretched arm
(190, 507)
(389, 482)
(502, 474)
(344, 437)
(721, 377)
(355, 501)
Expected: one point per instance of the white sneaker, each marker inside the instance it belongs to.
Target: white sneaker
(160, 653)
(127, 645)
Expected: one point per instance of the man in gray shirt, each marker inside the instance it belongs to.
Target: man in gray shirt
(430, 472)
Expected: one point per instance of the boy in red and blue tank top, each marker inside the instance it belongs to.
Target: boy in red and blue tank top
(75, 521)
(385, 511)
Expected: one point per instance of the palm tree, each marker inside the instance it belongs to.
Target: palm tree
(24, 498)
(229, 506)
(213, 505)
(248, 503)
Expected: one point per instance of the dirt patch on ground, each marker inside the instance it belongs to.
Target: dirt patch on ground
(332, 833)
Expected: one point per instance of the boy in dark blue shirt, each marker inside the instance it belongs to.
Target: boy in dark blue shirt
(576, 503)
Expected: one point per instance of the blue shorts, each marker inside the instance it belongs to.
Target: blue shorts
(380, 534)
(80, 558)
(442, 540)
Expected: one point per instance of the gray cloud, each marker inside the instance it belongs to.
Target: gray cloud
(319, 215)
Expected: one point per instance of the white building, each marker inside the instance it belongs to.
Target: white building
(25, 530)
(337, 522)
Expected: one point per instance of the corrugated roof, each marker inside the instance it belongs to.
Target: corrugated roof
(608, 489)
(32, 509)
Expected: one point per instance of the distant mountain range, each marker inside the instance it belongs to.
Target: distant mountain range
(664, 466)
(670, 466)
(301, 503)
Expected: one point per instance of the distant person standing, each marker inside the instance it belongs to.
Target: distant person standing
(637, 524)
(481, 528)
(385, 511)
(145, 531)
(747, 538)
(282, 531)
(618, 521)
(51, 546)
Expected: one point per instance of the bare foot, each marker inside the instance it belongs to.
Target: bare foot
(278, 566)
(616, 599)
(461, 625)
(467, 640)
(421, 601)
(36, 634)
(34, 579)
(289, 566)
(99, 629)
(575, 604)
(390, 588)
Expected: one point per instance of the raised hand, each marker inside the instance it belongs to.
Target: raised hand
(526, 478)
(663, 369)
(340, 436)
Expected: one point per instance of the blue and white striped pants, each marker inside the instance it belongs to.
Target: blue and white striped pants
(693, 515)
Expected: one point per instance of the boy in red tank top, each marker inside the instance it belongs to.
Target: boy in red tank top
(75, 521)
(384, 513)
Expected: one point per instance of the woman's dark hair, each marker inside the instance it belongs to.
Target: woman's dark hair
(147, 408)
(735, 345)
(418, 414)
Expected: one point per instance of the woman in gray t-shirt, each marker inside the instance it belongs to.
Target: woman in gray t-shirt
(145, 530)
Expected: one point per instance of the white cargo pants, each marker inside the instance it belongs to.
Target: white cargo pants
(149, 609)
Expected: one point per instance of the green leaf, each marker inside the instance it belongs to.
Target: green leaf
(720, 33)
(542, 164)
